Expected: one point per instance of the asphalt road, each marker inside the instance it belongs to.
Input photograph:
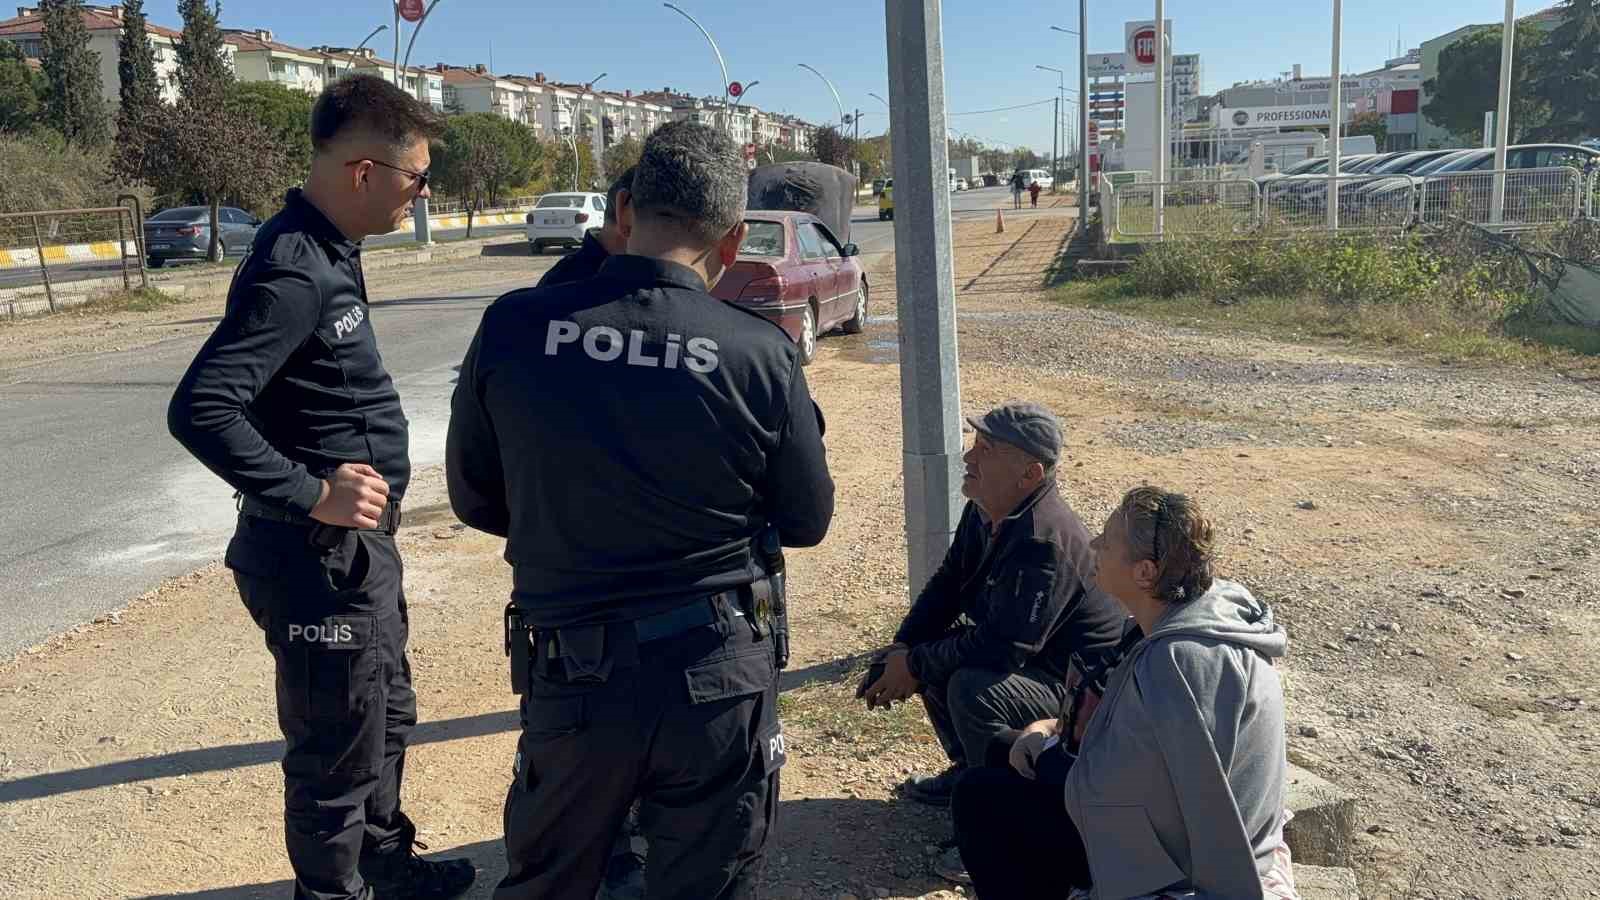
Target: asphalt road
(101, 505)
(69, 272)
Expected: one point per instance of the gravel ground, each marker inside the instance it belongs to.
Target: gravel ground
(1427, 533)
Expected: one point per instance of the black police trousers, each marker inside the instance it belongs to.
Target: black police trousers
(336, 624)
(688, 725)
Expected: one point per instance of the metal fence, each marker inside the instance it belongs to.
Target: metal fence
(1533, 197)
(1190, 207)
(1366, 203)
(447, 206)
(76, 243)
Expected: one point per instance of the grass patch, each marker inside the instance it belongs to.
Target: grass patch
(136, 300)
(1419, 329)
(831, 711)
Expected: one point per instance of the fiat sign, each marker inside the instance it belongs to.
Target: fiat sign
(1142, 45)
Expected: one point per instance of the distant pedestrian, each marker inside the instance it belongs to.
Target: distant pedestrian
(1017, 183)
(1033, 194)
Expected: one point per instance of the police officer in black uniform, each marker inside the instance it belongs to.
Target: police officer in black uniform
(610, 239)
(643, 446)
(289, 403)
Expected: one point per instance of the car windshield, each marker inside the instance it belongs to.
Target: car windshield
(1464, 161)
(1400, 164)
(1433, 165)
(763, 239)
(181, 214)
(561, 201)
(1304, 165)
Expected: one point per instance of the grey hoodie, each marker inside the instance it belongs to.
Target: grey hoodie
(1179, 783)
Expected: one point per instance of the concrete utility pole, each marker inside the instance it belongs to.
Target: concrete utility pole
(930, 383)
(1502, 118)
(1336, 109)
(1161, 115)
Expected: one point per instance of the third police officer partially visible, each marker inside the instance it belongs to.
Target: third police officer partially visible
(643, 447)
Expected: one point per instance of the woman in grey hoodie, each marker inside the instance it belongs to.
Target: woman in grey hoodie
(1179, 784)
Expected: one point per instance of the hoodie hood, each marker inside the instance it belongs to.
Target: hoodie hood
(1227, 612)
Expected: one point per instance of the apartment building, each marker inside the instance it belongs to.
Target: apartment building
(104, 24)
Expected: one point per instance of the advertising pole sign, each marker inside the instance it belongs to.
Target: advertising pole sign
(1141, 45)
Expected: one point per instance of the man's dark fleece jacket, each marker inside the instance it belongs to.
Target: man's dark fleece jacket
(1023, 591)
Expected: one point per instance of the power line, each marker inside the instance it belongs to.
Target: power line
(979, 112)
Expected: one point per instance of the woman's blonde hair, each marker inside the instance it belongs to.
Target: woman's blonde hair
(1170, 530)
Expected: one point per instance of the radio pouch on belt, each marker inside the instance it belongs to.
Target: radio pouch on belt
(583, 653)
(519, 647)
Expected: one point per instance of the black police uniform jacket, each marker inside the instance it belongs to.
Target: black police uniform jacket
(629, 435)
(290, 385)
(1024, 592)
(579, 265)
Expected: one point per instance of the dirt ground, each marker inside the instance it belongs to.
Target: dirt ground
(1428, 533)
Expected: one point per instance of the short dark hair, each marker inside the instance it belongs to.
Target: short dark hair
(371, 104)
(692, 175)
(623, 182)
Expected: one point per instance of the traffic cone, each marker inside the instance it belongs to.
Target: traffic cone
(999, 220)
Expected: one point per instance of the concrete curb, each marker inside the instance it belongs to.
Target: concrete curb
(1322, 832)
(1324, 883)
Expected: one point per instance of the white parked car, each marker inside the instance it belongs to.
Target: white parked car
(563, 219)
(961, 183)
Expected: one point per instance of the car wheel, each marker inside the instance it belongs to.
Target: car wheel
(533, 248)
(858, 323)
(808, 336)
(155, 262)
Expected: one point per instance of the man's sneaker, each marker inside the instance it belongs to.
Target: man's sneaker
(404, 875)
(624, 878)
(933, 790)
(948, 865)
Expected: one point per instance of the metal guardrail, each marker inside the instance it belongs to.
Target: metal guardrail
(1592, 196)
(1533, 197)
(1366, 203)
(59, 237)
(452, 207)
(1187, 207)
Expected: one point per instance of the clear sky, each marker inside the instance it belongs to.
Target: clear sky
(991, 46)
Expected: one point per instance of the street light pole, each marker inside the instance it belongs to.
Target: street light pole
(844, 120)
(1502, 116)
(1058, 139)
(727, 124)
(1336, 107)
(353, 53)
(744, 93)
(597, 78)
(879, 99)
(1083, 112)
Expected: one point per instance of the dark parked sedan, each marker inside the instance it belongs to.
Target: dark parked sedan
(184, 232)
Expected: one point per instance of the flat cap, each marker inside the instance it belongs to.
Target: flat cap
(1027, 426)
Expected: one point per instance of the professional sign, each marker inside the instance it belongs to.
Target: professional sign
(1274, 116)
(1108, 65)
(1140, 43)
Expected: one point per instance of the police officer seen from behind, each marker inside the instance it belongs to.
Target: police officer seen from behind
(989, 640)
(289, 402)
(610, 239)
(643, 447)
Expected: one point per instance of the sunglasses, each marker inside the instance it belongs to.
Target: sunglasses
(421, 177)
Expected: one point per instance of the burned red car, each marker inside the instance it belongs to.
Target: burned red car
(792, 270)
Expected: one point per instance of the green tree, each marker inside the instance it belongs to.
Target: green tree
(1468, 83)
(1567, 77)
(22, 91)
(831, 147)
(481, 156)
(73, 103)
(285, 112)
(202, 64)
(1371, 123)
(622, 155)
(139, 90)
(559, 165)
(996, 160)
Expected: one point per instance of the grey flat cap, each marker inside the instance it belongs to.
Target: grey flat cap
(1027, 426)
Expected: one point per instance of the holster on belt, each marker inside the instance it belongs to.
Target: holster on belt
(583, 654)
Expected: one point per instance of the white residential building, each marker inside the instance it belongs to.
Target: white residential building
(104, 24)
(257, 57)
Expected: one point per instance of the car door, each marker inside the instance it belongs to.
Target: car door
(817, 271)
(236, 230)
(845, 279)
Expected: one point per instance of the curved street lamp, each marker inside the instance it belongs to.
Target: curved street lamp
(879, 99)
(727, 125)
(836, 101)
(354, 53)
(596, 79)
(745, 93)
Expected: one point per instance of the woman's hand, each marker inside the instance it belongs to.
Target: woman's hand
(1027, 747)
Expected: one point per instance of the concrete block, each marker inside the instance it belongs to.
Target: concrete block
(1322, 832)
(1324, 883)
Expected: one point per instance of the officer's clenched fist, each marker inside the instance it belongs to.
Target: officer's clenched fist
(353, 497)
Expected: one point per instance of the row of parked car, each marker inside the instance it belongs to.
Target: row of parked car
(1305, 184)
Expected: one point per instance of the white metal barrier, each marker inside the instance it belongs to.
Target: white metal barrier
(1592, 196)
(1533, 197)
(1186, 208)
(1366, 202)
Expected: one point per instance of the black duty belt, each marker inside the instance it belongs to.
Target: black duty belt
(676, 621)
(388, 523)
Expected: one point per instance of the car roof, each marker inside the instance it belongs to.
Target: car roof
(778, 215)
